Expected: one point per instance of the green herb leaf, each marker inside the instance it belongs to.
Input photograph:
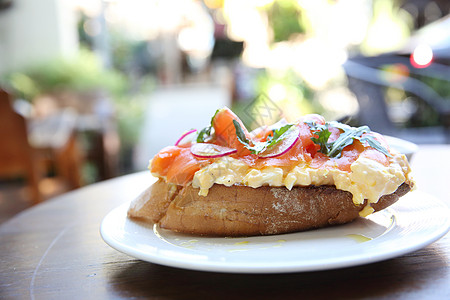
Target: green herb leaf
(323, 134)
(375, 144)
(346, 138)
(278, 135)
(255, 148)
(204, 134)
(212, 119)
(240, 134)
(259, 147)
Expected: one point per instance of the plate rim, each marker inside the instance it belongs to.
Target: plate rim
(267, 268)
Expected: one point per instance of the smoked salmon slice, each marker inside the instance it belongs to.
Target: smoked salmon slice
(178, 165)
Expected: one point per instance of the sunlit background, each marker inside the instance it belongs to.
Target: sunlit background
(119, 79)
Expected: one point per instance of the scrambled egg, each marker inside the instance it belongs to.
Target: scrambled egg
(368, 179)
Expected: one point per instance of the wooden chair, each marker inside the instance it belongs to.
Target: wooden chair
(39, 149)
(53, 139)
(17, 158)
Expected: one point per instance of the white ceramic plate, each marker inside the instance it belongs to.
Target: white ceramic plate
(414, 222)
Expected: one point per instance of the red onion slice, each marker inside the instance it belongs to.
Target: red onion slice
(186, 138)
(284, 145)
(205, 150)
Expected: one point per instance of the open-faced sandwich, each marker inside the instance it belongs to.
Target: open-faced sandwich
(226, 181)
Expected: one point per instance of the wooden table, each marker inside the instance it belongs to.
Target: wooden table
(54, 251)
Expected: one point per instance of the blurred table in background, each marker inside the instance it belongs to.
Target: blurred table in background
(54, 250)
(33, 149)
(48, 143)
(94, 125)
(53, 140)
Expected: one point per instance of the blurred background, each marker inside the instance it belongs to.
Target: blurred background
(92, 89)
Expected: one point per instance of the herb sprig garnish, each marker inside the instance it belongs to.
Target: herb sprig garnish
(346, 138)
(207, 133)
(258, 147)
(204, 134)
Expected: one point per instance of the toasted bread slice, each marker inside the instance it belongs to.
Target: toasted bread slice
(246, 211)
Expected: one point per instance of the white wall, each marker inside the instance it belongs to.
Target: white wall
(36, 30)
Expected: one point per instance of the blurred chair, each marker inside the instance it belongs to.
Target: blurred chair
(367, 81)
(17, 158)
(40, 148)
(95, 125)
(53, 139)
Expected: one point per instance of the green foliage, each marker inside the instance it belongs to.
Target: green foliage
(130, 113)
(285, 19)
(85, 73)
(79, 74)
(298, 95)
(440, 86)
(130, 116)
(296, 87)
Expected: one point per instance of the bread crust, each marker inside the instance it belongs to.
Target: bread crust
(247, 211)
